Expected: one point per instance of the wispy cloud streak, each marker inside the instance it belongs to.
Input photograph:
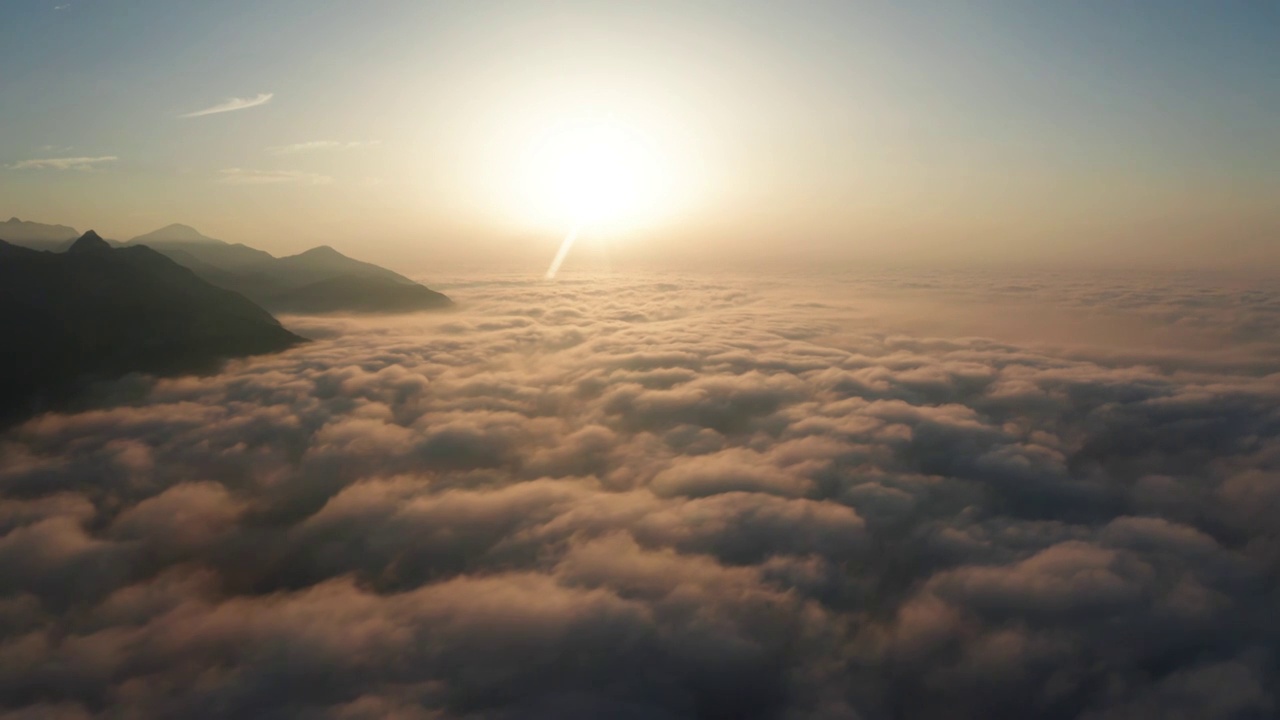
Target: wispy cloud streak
(316, 145)
(232, 105)
(66, 163)
(242, 176)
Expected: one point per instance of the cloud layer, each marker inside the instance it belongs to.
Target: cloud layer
(658, 498)
(231, 105)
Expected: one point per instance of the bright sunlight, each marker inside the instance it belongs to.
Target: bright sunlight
(585, 167)
(596, 175)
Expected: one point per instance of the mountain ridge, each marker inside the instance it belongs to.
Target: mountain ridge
(40, 236)
(294, 283)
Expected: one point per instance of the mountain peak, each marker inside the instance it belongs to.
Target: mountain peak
(89, 242)
(321, 251)
(174, 232)
(178, 228)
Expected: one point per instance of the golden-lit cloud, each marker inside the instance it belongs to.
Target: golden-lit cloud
(232, 104)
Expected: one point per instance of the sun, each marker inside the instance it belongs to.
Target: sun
(557, 166)
(595, 175)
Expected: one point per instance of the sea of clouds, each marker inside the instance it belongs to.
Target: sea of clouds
(673, 497)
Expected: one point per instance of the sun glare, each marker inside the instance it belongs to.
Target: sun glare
(553, 165)
(597, 176)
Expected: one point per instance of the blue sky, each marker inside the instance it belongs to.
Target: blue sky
(1021, 130)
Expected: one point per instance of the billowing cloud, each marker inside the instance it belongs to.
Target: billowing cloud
(242, 176)
(665, 498)
(231, 105)
(63, 163)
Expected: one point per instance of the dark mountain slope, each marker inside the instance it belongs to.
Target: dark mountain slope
(356, 293)
(321, 263)
(96, 312)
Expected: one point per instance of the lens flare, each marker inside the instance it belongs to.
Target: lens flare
(563, 252)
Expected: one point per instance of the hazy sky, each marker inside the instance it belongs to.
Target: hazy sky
(1088, 132)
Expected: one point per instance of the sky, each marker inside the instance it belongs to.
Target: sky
(1092, 133)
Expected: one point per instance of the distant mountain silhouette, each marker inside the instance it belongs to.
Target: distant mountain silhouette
(176, 232)
(320, 280)
(37, 235)
(96, 312)
(184, 244)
